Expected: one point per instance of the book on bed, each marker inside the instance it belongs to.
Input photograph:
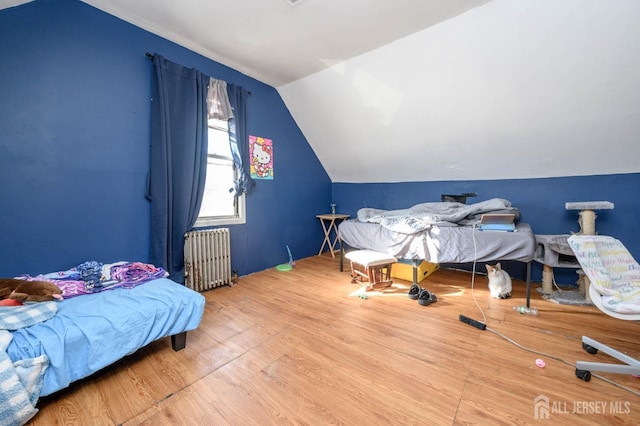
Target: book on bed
(498, 222)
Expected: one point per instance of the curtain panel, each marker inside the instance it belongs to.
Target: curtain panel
(178, 160)
(238, 137)
(218, 105)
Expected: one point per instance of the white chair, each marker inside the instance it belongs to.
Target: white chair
(614, 288)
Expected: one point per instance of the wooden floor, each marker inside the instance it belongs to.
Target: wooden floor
(302, 347)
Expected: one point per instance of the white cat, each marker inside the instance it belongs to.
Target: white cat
(499, 282)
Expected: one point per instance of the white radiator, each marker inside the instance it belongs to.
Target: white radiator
(207, 259)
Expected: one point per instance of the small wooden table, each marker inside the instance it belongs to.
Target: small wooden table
(331, 220)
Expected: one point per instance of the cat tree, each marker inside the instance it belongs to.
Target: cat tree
(553, 251)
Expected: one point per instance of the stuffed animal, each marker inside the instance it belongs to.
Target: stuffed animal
(10, 302)
(29, 291)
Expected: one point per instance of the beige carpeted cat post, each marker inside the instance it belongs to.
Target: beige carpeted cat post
(587, 222)
(554, 251)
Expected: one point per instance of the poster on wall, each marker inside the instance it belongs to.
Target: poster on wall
(261, 154)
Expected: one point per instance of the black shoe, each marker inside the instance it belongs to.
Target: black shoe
(414, 291)
(426, 298)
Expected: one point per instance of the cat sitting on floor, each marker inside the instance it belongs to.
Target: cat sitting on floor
(499, 282)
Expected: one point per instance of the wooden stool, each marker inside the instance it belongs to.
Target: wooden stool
(371, 268)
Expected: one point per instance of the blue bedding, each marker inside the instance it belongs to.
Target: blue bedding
(92, 331)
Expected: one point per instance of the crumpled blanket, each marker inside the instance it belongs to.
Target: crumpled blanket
(425, 215)
(93, 277)
(21, 381)
(17, 317)
(611, 269)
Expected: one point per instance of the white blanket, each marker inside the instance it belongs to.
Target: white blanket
(423, 216)
(611, 269)
(20, 383)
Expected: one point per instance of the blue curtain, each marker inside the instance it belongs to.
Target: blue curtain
(238, 138)
(178, 160)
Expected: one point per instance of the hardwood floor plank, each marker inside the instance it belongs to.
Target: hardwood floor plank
(302, 347)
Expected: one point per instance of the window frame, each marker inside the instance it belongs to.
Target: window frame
(240, 217)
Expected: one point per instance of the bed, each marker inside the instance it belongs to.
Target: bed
(87, 331)
(441, 232)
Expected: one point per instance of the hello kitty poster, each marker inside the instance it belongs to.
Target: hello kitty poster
(261, 155)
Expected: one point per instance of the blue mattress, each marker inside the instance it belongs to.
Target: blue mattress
(90, 332)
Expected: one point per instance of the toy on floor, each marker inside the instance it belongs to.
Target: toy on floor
(287, 266)
(291, 261)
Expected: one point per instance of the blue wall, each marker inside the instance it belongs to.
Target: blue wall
(541, 203)
(74, 146)
(74, 156)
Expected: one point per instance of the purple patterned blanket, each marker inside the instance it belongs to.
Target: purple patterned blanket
(93, 277)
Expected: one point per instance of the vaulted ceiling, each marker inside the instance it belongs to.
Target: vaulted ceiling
(278, 42)
(423, 90)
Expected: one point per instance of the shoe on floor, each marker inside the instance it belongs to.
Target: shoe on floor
(414, 291)
(426, 298)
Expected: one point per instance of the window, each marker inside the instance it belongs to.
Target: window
(219, 206)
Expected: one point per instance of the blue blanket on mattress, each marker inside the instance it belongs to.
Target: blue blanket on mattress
(92, 331)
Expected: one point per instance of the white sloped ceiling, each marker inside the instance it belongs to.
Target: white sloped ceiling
(408, 90)
(507, 90)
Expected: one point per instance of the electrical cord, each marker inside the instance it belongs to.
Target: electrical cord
(473, 273)
(508, 339)
(483, 326)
